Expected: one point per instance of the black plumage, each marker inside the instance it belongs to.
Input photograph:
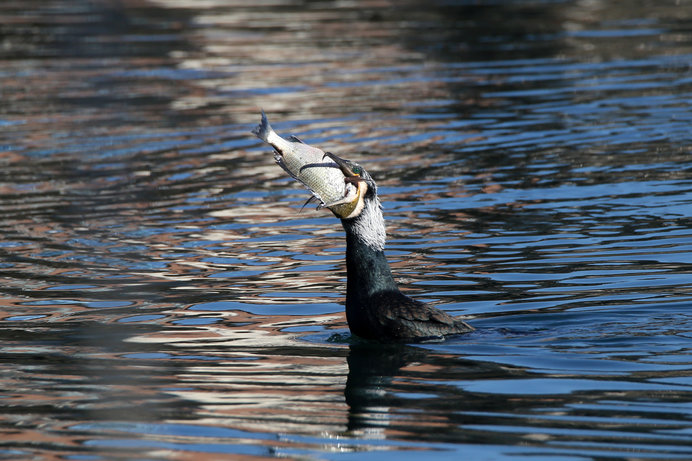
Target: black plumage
(375, 307)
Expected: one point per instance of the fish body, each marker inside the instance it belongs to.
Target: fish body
(311, 166)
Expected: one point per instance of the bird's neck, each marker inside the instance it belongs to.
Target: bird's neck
(366, 265)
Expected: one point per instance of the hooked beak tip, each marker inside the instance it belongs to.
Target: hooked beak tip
(345, 169)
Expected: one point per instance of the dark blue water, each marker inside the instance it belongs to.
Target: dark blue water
(163, 296)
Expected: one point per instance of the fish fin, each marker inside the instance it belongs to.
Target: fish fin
(280, 161)
(263, 130)
(295, 139)
(312, 197)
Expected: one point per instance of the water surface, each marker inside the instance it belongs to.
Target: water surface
(163, 295)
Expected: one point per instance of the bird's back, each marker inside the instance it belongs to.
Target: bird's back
(391, 315)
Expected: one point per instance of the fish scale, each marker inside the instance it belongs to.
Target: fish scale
(310, 166)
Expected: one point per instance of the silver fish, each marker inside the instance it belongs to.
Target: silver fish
(311, 166)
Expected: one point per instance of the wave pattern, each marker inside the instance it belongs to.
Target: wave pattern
(163, 295)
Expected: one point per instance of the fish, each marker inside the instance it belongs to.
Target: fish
(313, 168)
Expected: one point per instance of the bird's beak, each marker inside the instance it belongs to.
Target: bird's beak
(345, 168)
(352, 204)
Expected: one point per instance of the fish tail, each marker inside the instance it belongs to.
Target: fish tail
(264, 129)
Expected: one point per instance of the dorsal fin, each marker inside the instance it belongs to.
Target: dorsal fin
(295, 139)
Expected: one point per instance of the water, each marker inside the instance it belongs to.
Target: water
(163, 296)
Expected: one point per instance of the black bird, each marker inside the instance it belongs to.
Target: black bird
(375, 308)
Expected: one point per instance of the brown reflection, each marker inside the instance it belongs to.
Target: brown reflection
(129, 197)
(397, 390)
(371, 370)
(259, 378)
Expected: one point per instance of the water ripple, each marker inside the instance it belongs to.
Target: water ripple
(163, 295)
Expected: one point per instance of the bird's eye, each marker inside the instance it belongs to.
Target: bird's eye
(357, 170)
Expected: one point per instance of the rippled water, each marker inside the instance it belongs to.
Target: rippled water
(164, 296)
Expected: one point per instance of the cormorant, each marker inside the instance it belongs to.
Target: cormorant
(375, 308)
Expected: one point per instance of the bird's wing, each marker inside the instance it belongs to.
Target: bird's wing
(411, 319)
(409, 309)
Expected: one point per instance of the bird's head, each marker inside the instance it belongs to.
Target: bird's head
(365, 189)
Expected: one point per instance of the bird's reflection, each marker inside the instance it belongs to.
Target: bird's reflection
(371, 368)
(386, 380)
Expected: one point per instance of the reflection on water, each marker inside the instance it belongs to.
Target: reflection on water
(163, 296)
